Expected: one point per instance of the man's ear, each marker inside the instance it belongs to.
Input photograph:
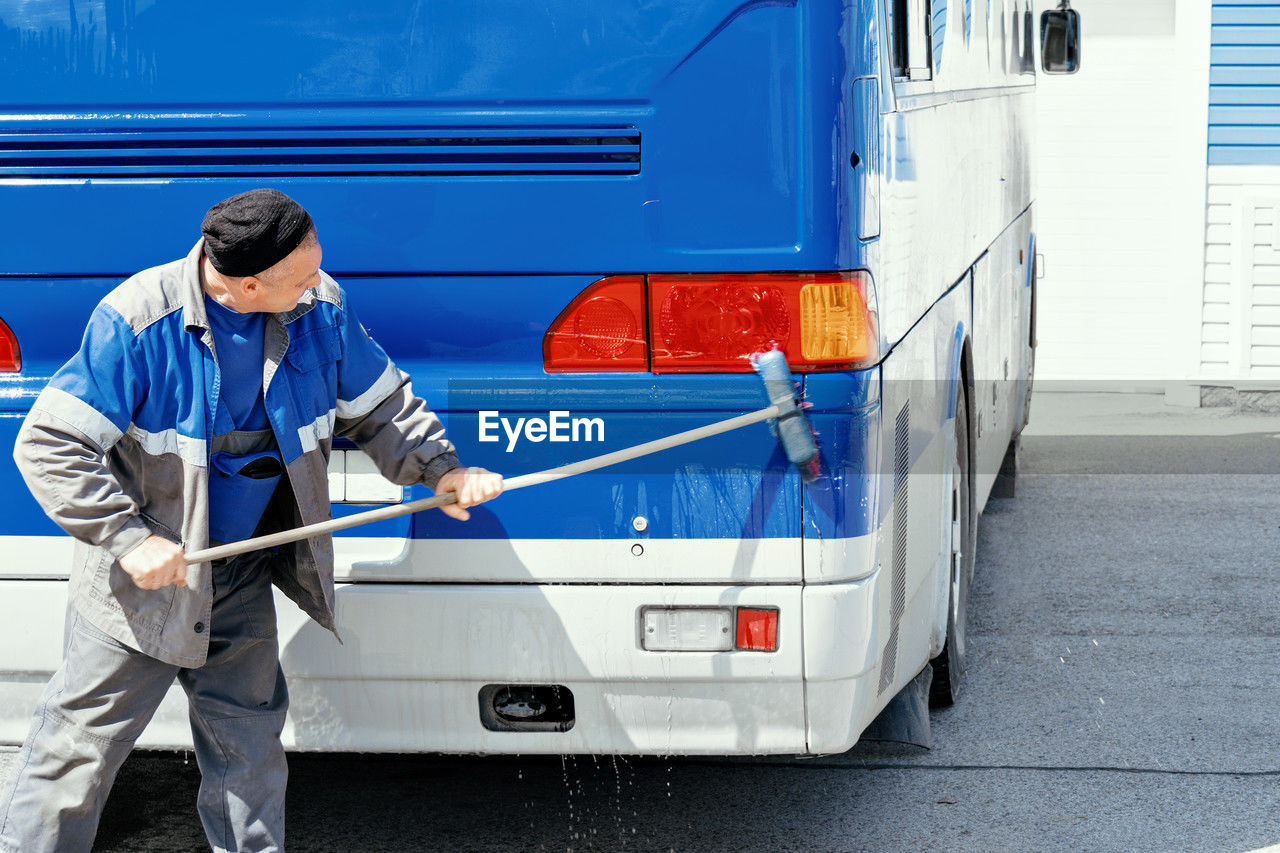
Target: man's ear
(251, 285)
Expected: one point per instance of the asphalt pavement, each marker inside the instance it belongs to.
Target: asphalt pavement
(1123, 694)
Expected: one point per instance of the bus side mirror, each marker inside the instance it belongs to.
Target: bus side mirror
(1060, 40)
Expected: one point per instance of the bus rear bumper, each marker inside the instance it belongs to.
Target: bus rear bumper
(414, 659)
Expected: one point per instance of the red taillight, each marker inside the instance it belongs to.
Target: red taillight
(602, 330)
(714, 323)
(10, 355)
(757, 629)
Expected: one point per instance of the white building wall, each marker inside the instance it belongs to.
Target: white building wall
(1120, 165)
(1240, 331)
(1240, 319)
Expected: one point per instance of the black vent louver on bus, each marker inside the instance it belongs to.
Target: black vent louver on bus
(318, 152)
(898, 580)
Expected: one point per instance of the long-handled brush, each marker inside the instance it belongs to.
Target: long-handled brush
(790, 426)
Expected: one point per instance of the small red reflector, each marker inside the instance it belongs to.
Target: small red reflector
(10, 355)
(603, 329)
(757, 630)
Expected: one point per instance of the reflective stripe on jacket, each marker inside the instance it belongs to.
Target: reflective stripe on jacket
(116, 447)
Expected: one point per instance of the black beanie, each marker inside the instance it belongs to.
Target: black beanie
(251, 232)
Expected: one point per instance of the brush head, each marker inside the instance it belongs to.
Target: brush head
(791, 427)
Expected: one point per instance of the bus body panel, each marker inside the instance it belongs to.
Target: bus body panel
(724, 102)
(719, 137)
(914, 474)
(1002, 307)
(408, 672)
(957, 174)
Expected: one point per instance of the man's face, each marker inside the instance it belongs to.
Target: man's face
(278, 289)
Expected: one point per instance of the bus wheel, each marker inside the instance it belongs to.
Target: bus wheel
(1006, 484)
(949, 666)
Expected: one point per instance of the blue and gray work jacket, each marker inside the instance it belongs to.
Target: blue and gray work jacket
(117, 446)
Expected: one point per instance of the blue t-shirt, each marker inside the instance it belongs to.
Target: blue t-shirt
(237, 339)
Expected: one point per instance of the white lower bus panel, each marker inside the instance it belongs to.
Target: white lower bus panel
(413, 660)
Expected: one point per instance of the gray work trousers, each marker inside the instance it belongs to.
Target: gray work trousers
(105, 693)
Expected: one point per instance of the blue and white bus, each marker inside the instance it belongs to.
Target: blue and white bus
(570, 222)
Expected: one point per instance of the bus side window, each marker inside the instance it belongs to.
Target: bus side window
(911, 40)
(1028, 47)
(1014, 65)
(900, 61)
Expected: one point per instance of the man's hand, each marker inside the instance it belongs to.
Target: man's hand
(473, 486)
(156, 563)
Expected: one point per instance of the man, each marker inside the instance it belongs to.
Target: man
(200, 408)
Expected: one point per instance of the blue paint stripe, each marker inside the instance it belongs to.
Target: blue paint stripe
(1248, 116)
(1250, 54)
(1220, 96)
(1245, 35)
(1232, 135)
(1244, 75)
(1252, 155)
(1245, 15)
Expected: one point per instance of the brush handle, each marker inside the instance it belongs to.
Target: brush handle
(284, 537)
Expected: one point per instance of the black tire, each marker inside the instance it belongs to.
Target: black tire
(949, 665)
(1006, 484)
